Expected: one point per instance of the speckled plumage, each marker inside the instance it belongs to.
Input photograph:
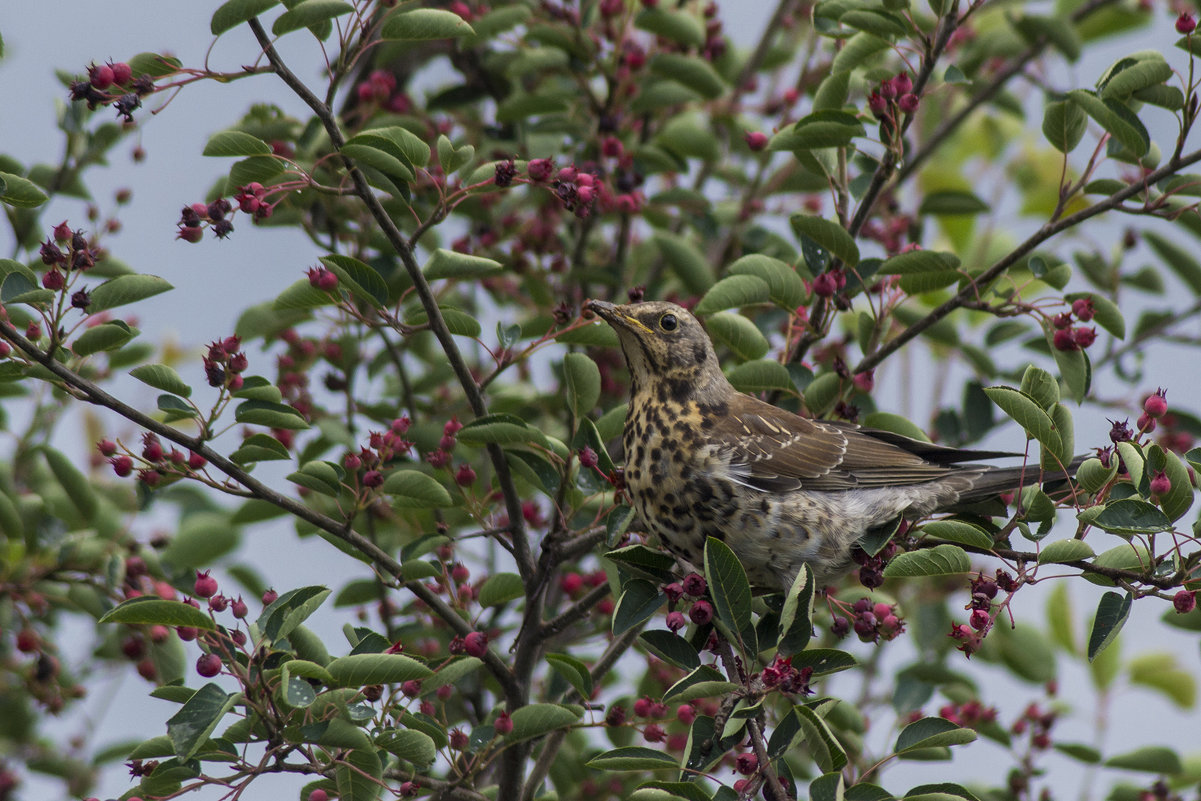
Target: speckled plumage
(704, 460)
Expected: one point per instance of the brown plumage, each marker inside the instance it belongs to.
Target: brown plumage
(703, 459)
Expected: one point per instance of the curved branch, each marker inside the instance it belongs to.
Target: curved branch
(437, 324)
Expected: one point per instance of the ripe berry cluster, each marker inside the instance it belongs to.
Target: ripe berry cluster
(112, 84)
(872, 622)
(80, 255)
(1068, 336)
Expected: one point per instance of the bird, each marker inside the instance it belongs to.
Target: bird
(781, 490)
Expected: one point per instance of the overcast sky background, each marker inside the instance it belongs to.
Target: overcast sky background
(215, 280)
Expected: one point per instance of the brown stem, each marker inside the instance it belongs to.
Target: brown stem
(429, 303)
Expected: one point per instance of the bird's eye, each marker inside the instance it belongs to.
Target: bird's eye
(668, 322)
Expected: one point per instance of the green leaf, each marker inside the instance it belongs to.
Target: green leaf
(190, 727)
(829, 235)
(359, 278)
(449, 264)
(1142, 74)
(639, 600)
(1058, 32)
(202, 538)
(499, 429)
(857, 51)
(422, 24)
(731, 593)
(1027, 413)
(160, 376)
(412, 489)
(583, 383)
(952, 202)
(20, 192)
(1063, 551)
(151, 611)
(960, 532)
(271, 415)
(1160, 671)
(785, 287)
(500, 588)
(678, 26)
(739, 334)
(686, 261)
(823, 746)
(940, 560)
(358, 774)
(535, 720)
(126, 289)
(796, 618)
(732, 292)
(1180, 261)
(106, 336)
(760, 376)
(1112, 613)
(1149, 759)
(1079, 752)
(821, 129)
(308, 13)
(1116, 119)
(632, 758)
(574, 670)
(671, 648)
(73, 481)
(235, 143)
(234, 12)
(690, 71)
(932, 733)
(410, 745)
(918, 262)
(358, 670)
(289, 610)
(705, 681)
(157, 65)
(1132, 516)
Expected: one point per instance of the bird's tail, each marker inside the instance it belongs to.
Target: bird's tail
(997, 481)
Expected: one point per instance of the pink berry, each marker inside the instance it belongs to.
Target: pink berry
(676, 621)
(1161, 484)
(122, 465)
(458, 739)
(503, 724)
(694, 585)
(476, 644)
(1185, 23)
(1084, 337)
(1063, 339)
(701, 613)
(1083, 309)
(653, 733)
(756, 140)
(1156, 405)
(122, 73)
(465, 476)
(318, 795)
(1184, 601)
(206, 585)
(101, 75)
(588, 458)
(908, 103)
(746, 764)
(571, 583)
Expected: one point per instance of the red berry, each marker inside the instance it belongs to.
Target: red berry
(322, 279)
(1156, 405)
(503, 724)
(1185, 23)
(694, 585)
(686, 714)
(653, 733)
(465, 476)
(318, 795)
(643, 706)
(1161, 484)
(1084, 337)
(101, 75)
(756, 140)
(475, 644)
(1184, 601)
(458, 739)
(28, 641)
(588, 457)
(411, 688)
(877, 104)
(1083, 309)
(825, 285)
(980, 619)
(190, 233)
(676, 621)
(147, 670)
(238, 608)
(571, 583)
(908, 103)
(122, 465)
(122, 73)
(106, 448)
(746, 764)
(1064, 340)
(208, 665)
(701, 613)
(206, 585)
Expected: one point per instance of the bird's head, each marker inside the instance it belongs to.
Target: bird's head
(663, 342)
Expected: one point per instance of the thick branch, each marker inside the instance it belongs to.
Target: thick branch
(972, 290)
(429, 303)
(93, 394)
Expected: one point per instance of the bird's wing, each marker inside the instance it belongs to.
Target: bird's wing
(772, 450)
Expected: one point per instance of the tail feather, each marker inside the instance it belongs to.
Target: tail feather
(996, 481)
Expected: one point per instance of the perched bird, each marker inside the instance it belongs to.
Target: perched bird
(705, 460)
